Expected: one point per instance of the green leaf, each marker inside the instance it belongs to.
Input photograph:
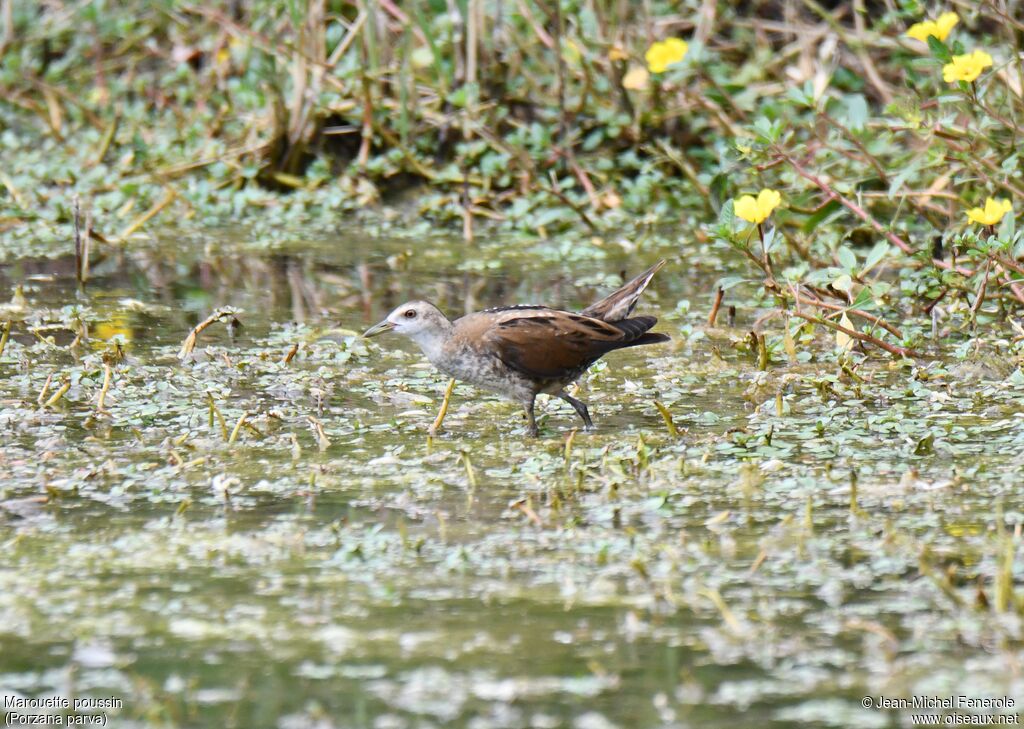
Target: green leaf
(880, 251)
(856, 112)
(864, 299)
(719, 189)
(1007, 227)
(847, 258)
(939, 49)
(925, 446)
(843, 283)
(825, 211)
(727, 282)
(727, 216)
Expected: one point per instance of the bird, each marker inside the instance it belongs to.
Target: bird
(524, 350)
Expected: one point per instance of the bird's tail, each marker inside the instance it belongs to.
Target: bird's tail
(634, 332)
(619, 304)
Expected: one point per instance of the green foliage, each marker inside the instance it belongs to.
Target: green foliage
(529, 119)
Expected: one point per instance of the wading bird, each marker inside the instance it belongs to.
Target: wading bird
(523, 351)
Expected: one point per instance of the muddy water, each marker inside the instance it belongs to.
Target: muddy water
(808, 538)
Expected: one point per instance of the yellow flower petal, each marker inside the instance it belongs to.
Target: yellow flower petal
(994, 211)
(945, 24)
(939, 28)
(966, 67)
(756, 210)
(636, 78)
(921, 31)
(746, 208)
(663, 54)
(768, 200)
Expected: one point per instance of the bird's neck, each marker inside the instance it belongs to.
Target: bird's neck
(431, 341)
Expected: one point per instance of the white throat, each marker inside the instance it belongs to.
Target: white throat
(431, 341)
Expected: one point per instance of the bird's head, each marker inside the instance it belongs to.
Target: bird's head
(414, 320)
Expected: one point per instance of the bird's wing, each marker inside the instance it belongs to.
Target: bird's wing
(619, 304)
(548, 343)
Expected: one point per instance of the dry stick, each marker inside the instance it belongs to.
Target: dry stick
(670, 425)
(949, 140)
(575, 208)
(853, 207)
(279, 49)
(865, 58)
(995, 181)
(931, 305)
(1014, 285)
(177, 170)
(679, 160)
(979, 298)
(719, 295)
(5, 336)
(46, 389)
(872, 160)
(103, 390)
(854, 312)
(891, 349)
(58, 395)
(323, 442)
(530, 169)
(105, 141)
(367, 125)
(238, 427)
(1010, 263)
(291, 353)
(163, 202)
(86, 244)
(560, 91)
(864, 215)
(523, 505)
(190, 341)
(77, 213)
(14, 192)
(585, 181)
(467, 203)
(7, 16)
(214, 410)
(538, 29)
(467, 116)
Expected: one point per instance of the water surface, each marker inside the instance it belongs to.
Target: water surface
(808, 539)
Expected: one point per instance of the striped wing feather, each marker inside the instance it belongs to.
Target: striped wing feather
(552, 344)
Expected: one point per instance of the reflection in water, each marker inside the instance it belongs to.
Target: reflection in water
(316, 288)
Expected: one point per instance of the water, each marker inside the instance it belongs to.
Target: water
(764, 568)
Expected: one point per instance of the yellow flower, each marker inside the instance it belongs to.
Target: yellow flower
(939, 28)
(636, 78)
(664, 53)
(755, 210)
(116, 325)
(966, 67)
(992, 214)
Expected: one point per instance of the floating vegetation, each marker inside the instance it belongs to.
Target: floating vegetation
(810, 498)
(234, 511)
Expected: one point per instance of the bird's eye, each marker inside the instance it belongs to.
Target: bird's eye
(410, 314)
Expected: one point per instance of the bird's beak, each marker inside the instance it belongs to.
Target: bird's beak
(380, 328)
